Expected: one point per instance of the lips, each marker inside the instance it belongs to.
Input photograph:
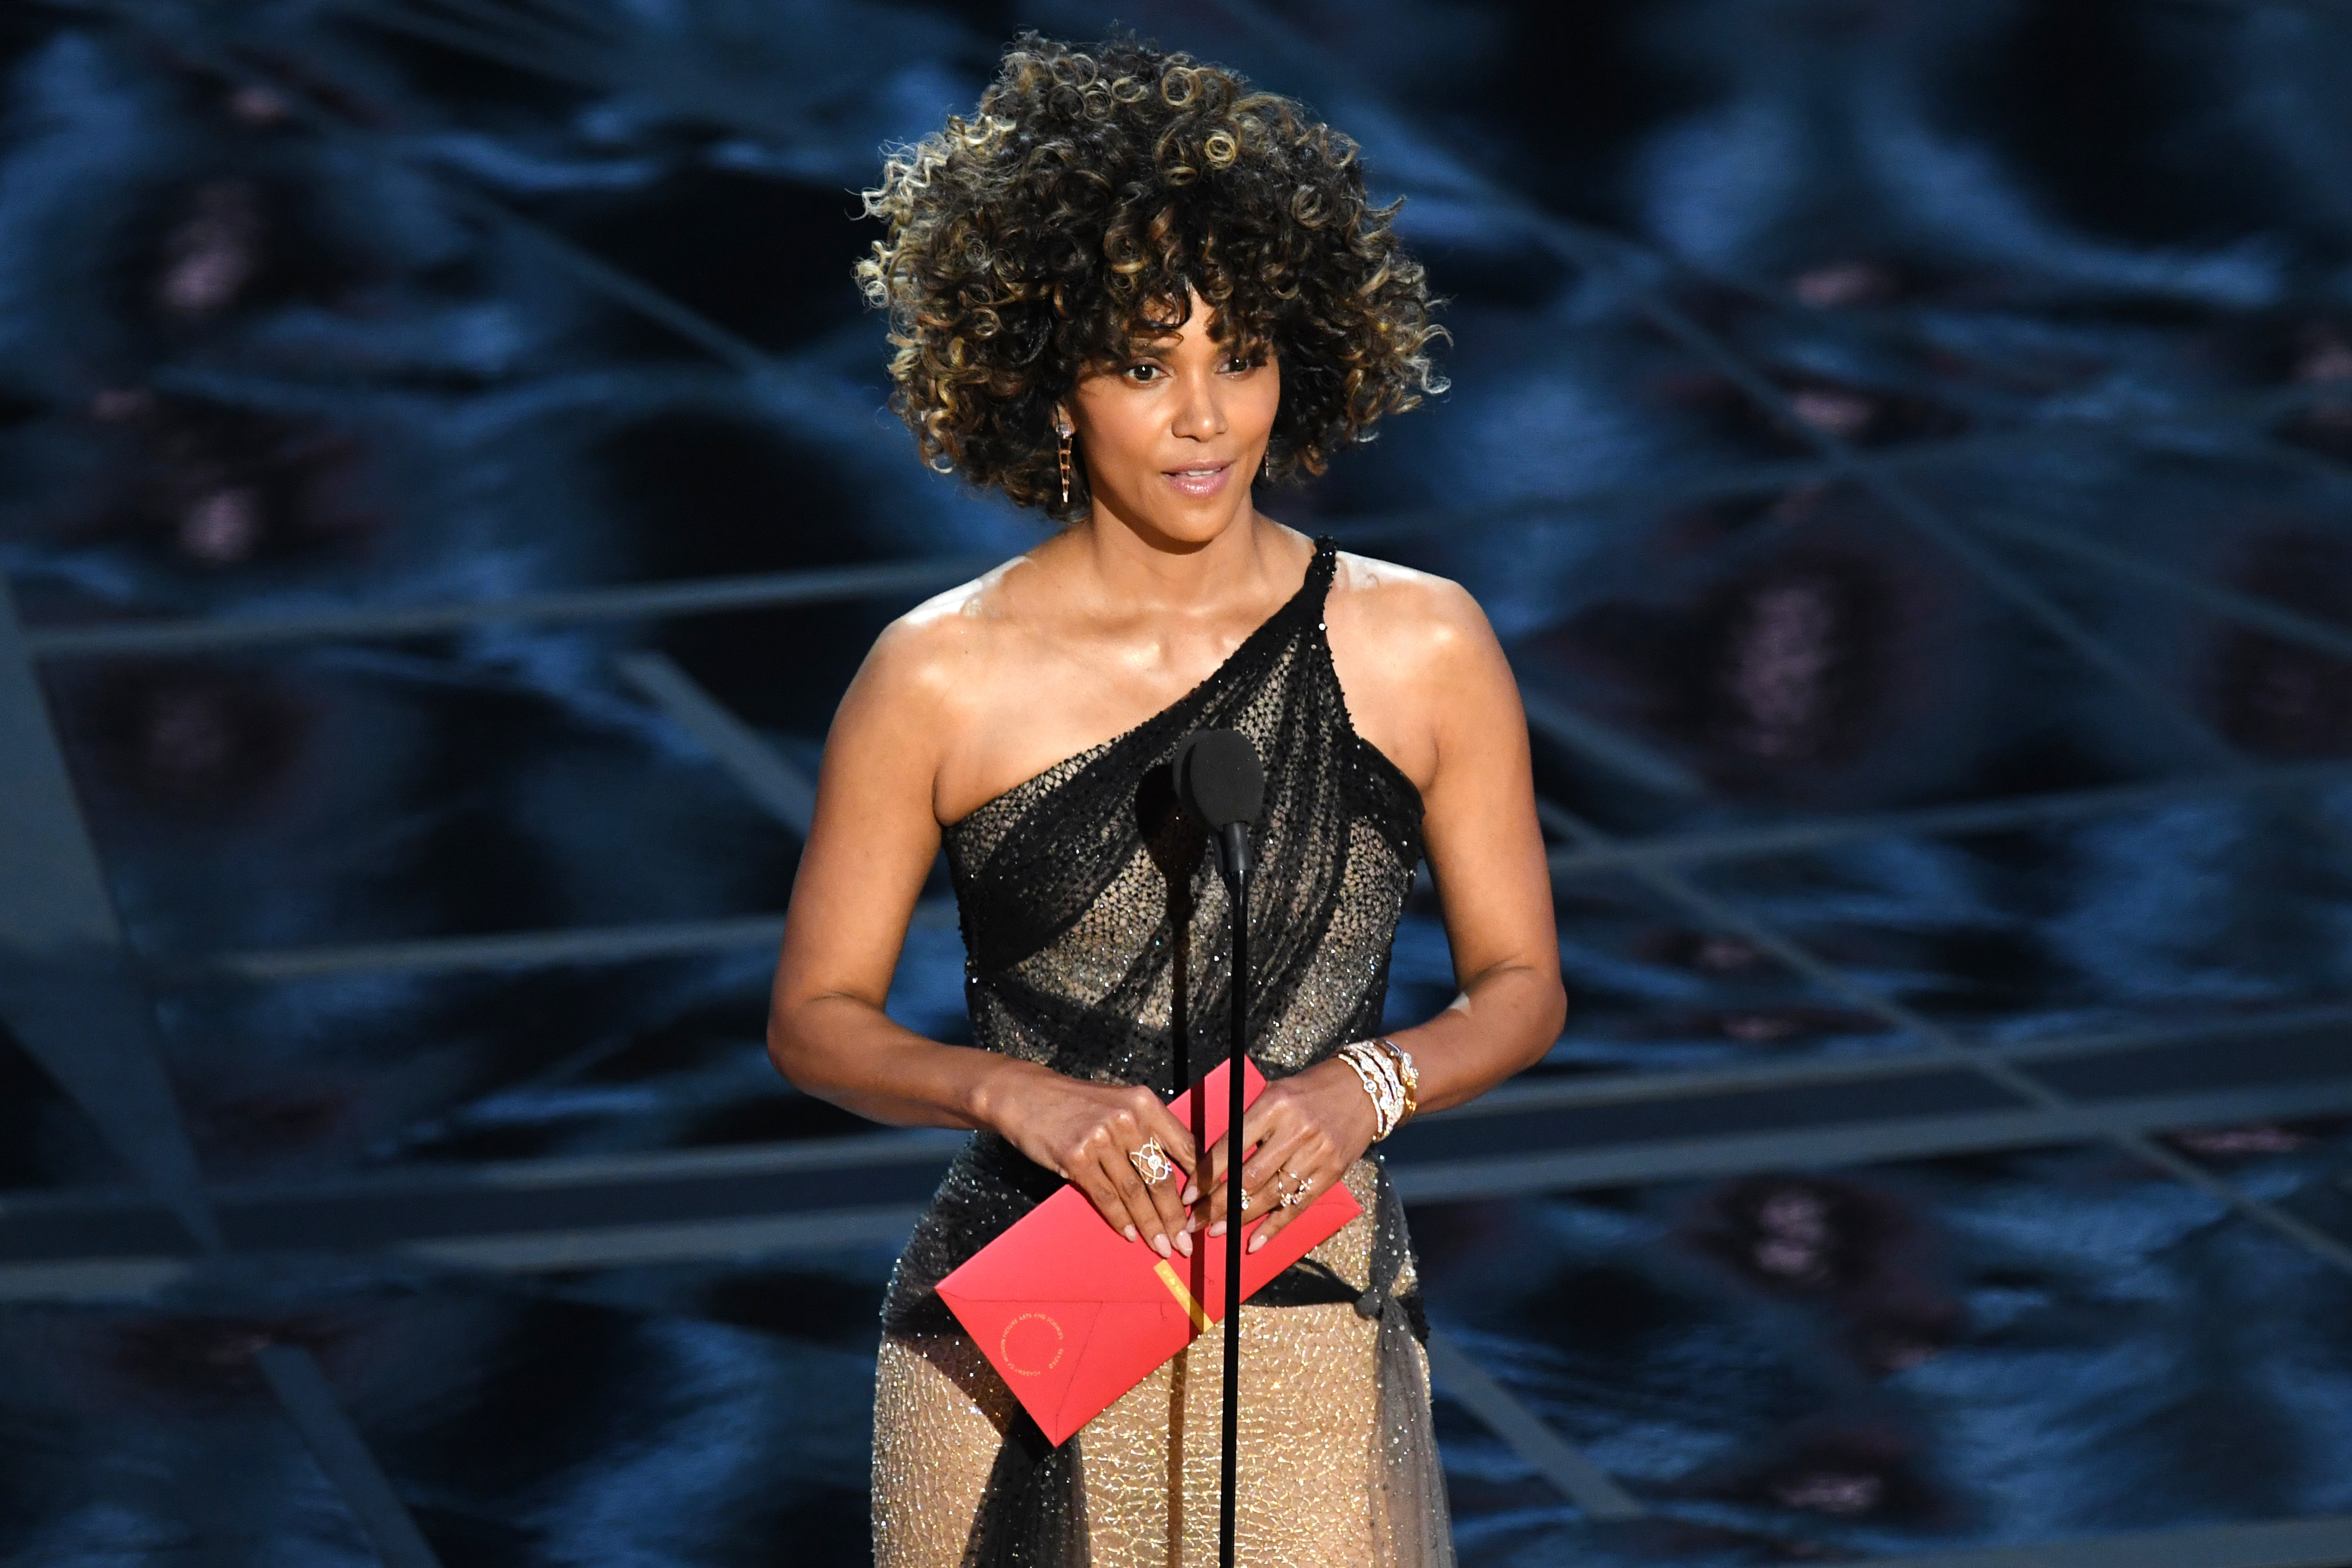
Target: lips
(1200, 479)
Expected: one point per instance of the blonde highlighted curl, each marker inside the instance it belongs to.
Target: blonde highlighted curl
(1073, 217)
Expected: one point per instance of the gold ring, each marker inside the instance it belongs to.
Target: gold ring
(1152, 1163)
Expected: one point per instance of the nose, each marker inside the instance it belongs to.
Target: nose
(1200, 409)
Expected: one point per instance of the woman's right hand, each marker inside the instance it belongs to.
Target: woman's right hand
(1084, 1133)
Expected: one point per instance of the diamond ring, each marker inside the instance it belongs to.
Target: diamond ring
(1152, 1163)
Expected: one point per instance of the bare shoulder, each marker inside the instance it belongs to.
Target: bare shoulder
(925, 668)
(1416, 660)
(931, 655)
(1395, 612)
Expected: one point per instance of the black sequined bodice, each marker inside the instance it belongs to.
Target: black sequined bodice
(1096, 929)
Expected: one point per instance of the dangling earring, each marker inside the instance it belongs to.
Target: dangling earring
(1062, 433)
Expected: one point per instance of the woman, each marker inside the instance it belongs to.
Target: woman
(1125, 290)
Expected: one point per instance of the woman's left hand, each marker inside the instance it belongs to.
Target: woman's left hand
(1307, 1129)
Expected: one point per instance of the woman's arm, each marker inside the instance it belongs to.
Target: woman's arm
(1444, 677)
(870, 849)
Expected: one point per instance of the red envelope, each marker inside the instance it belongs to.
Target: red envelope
(1072, 1314)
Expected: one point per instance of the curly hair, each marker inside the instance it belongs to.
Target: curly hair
(1092, 193)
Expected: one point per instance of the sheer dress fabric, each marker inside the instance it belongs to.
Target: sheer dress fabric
(1098, 944)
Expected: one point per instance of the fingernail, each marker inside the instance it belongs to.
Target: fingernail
(1257, 1241)
(1218, 1228)
(1185, 1243)
(1191, 1194)
(1130, 1234)
(1159, 1244)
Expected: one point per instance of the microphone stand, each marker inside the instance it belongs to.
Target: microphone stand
(1234, 860)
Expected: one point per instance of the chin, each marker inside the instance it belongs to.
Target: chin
(1202, 522)
(1181, 525)
(1196, 526)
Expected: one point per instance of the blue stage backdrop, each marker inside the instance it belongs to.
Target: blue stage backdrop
(445, 484)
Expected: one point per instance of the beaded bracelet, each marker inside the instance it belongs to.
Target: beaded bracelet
(1381, 1081)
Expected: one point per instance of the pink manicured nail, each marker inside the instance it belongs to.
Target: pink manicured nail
(1130, 1234)
(1218, 1228)
(1159, 1244)
(1191, 1194)
(1184, 1243)
(1257, 1241)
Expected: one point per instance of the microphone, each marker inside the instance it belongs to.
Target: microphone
(1221, 781)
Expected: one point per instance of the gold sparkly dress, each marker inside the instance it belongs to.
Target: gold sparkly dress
(1098, 944)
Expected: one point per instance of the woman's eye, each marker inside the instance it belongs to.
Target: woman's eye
(1142, 372)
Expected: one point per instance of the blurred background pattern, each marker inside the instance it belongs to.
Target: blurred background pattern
(445, 487)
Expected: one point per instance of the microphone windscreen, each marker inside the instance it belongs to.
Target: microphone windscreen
(1219, 777)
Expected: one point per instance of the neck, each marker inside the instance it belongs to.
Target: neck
(1252, 558)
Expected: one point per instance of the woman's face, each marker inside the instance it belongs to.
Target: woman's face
(1172, 438)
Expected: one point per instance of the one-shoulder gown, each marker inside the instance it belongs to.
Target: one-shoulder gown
(1098, 944)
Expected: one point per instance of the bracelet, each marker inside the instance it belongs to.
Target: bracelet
(1377, 1071)
(1409, 1074)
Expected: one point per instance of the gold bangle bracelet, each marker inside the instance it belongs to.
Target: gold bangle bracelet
(1408, 1077)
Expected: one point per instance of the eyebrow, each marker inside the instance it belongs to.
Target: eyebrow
(1239, 345)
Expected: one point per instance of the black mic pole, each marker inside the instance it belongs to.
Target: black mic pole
(1234, 859)
(1222, 782)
